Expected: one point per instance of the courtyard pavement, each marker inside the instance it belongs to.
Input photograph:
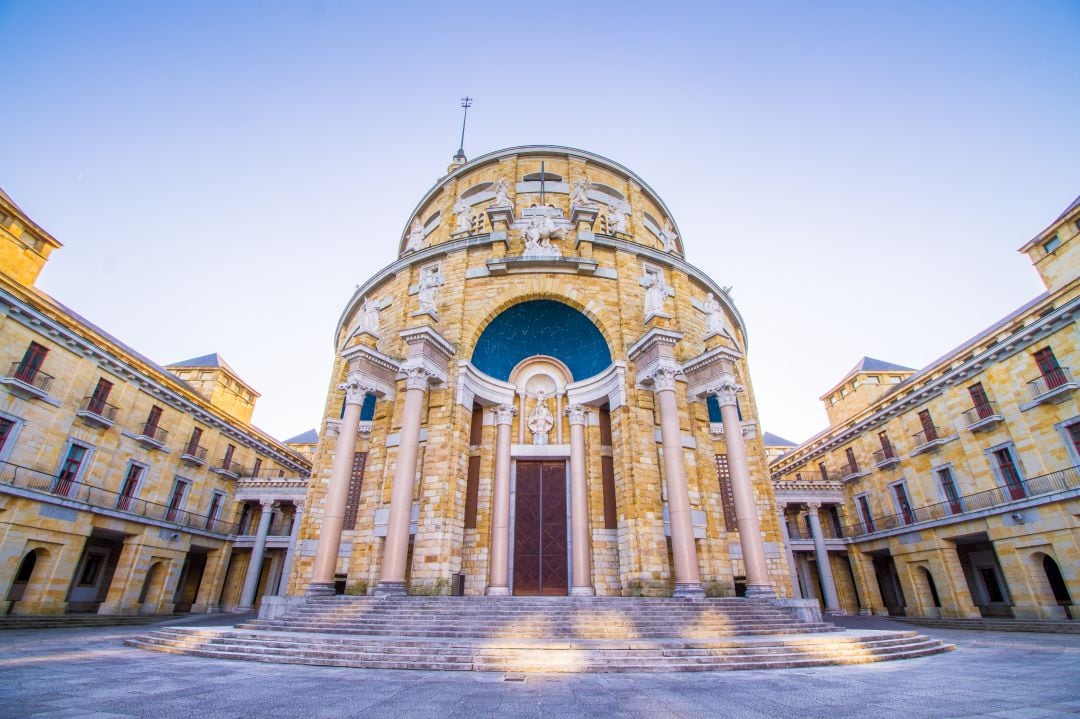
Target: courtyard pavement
(90, 674)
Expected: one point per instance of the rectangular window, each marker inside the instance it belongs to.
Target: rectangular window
(886, 446)
(980, 400)
(1073, 430)
(604, 416)
(356, 483)
(176, 499)
(152, 421)
(607, 483)
(216, 500)
(727, 494)
(853, 464)
(472, 490)
(948, 488)
(130, 485)
(193, 443)
(1052, 244)
(927, 422)
(100, 396)
(824, 472)
(476, 429)
(864, 512)
(257, 467)
(31, 363)
(1010, 475)
(70, 469)
(903, 503)
(1049, 368)
(7, 428)
(226, 463)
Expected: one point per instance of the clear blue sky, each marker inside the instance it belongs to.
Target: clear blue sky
(223, 174)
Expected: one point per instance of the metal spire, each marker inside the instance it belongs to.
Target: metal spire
(466, 102)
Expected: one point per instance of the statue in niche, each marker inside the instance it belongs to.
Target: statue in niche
(616, 218)
(430, 280)
(540, 419)
(668, 236)
(461, 213)
(415, 238)
(579, 193)
(538, 234)
(369, 316)
(655, 295)
(501, 188)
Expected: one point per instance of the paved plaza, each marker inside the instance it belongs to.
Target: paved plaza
(89, 673)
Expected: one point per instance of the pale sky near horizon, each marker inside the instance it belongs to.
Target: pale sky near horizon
(223, 175)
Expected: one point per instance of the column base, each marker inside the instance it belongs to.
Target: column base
(319, 589)
(497, 591)
(760, 591)
(865, 612)
(836, 612)
(390, 589)
(582, 592)
(688, 590)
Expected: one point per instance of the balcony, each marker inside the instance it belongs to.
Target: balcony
(97, 413)
(27, 382)
(1052, 386)
(194, 455)
(96, 498)
(982, 416)
(152, 437)
(848, 473)
(885, 458)
(1060, 481)
(928, 440)
(228, 468)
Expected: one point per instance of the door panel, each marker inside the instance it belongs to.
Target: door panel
(540, 546)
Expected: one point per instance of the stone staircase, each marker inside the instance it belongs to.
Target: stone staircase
(1049, 626)
(71, 621)
(549, 634)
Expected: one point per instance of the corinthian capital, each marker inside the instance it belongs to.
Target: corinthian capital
(355, 389)
(418, 377)
(663, 374)
(725, 390)
(576, 413)
(504, 413)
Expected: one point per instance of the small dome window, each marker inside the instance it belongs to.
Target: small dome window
(548, 177)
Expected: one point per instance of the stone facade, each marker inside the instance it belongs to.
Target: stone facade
(556, 225)
(955, 491)
(118, 487)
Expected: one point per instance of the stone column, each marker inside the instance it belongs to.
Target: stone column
(753, 548)
(499, 566)
(290, 553)
(828, 583)
(396, 547)
(251, 579)
(337, 494)
(687, 577)
(581, 556)
(788, 554)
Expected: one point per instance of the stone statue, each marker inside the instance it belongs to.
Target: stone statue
(501, 188)
(369, 317)
(461, 212)
(540, 419)
(579, 193)
(430, 280)
(668, 236)
(616, 217)
(538, 234)
(655, 295)
(415, 237)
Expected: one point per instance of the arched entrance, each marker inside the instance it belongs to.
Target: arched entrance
(1057, 584)
(22, 578)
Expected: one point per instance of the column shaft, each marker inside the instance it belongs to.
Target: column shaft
(396, 548)
(499, 567)
(581, 558)
(753, 548)
(828, 583)
(687, 577)
(337, 496)
(785, 535)
(251, 579)
(290, 553)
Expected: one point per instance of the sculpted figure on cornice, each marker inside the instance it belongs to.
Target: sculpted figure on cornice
(369, 316)
(461, 215)
(715, 321)
(668, 236)
(501, 189)
(538, 234)
(616, 217)
(656, 294)
(415, 237)
(430, 281)
(540, 419)
(579, 193)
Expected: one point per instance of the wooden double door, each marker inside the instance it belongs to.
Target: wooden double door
(540, 541)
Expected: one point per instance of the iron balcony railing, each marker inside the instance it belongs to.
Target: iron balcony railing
(230, 466)
(35, 480)
(196, 451)
(100, 407)
(981, 411)
(1049, 381)
(33, 377)
(154, 432)
(1060, 481)
(885, 454)
(828, 531)
(928, 435)
(279, 527)
(847, 470)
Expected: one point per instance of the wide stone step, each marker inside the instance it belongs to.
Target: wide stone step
(999, 625)
(73, 621)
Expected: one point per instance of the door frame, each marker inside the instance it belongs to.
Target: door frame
(565, 460)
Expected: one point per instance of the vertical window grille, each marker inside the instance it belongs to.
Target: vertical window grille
(356, 481)
(727, 496)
